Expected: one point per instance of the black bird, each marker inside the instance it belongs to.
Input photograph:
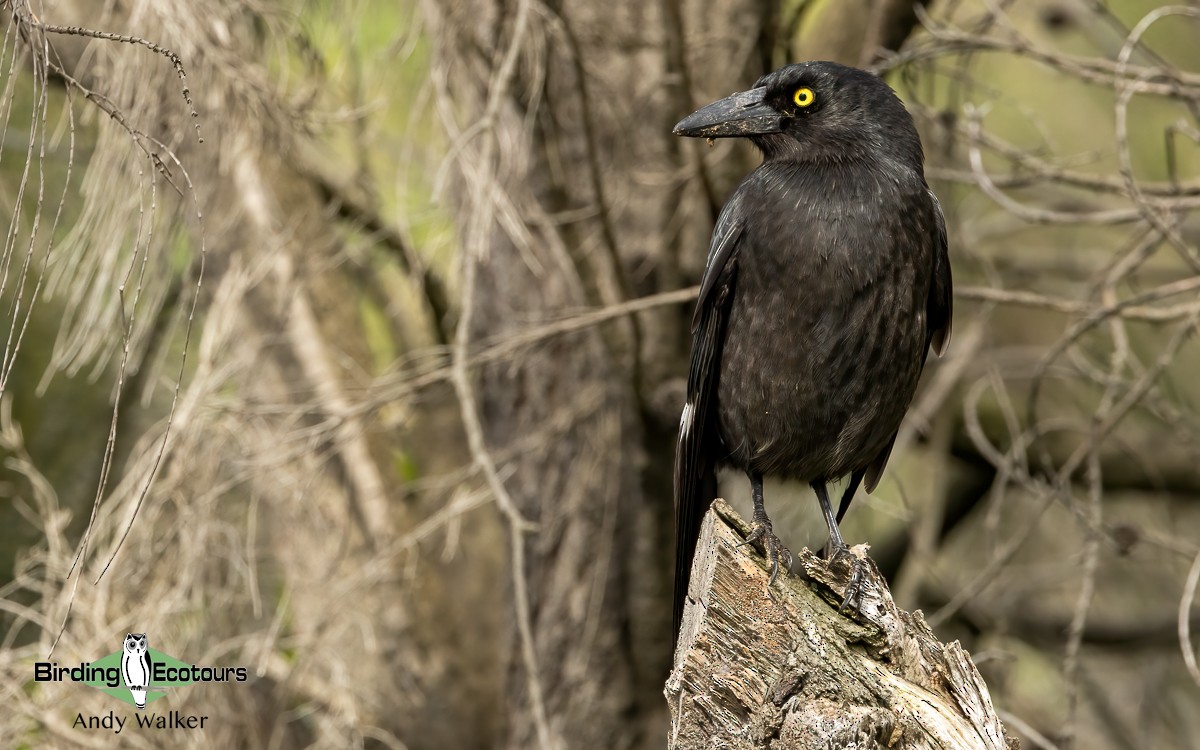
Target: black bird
(827, 282)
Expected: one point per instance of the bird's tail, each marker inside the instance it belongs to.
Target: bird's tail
(695, 488)
(695, 465)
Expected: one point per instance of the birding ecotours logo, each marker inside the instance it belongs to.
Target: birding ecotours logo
(136, 674)
(136, 667)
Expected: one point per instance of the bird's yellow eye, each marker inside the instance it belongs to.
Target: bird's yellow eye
(804, 96)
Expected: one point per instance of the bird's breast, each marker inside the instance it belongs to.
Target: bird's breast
(826, 333)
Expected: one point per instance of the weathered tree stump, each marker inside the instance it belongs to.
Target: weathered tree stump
(782, 669)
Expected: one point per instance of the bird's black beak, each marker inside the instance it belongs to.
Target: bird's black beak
(741, 114)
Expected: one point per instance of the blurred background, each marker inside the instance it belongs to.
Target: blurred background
(346, 340)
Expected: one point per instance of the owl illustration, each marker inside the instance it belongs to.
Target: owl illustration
(136, 667)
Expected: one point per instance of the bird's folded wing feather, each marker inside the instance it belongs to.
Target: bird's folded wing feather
(718, 268)
(695, 459)
(939, 309)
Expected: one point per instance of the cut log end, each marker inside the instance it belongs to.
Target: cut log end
(779, 667)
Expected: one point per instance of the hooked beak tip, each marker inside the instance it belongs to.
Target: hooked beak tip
(736, 116)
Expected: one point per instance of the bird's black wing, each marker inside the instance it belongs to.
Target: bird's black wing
(695, 453)
(939, 309)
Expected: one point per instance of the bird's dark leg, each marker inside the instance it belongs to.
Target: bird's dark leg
(837, 547)
(847, 496)
(762, 531)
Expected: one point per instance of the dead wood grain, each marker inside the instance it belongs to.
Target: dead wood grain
(782, 669)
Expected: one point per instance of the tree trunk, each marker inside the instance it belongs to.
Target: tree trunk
(780, 668)
(563, 157)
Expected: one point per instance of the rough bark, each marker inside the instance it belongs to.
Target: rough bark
(780, 668)
(583, 149)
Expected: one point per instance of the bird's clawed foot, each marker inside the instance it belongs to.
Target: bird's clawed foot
(854, 583)
(763, 537)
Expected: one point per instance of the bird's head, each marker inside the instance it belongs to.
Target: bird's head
(812, 112)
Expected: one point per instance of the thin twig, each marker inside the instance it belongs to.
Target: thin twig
(475, 243)
(1127, 309)
(1083, 601)
(109, 36)
(1185, 620)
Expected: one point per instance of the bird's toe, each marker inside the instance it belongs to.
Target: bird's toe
(855, 579)
(854, 590)
(763, 537)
